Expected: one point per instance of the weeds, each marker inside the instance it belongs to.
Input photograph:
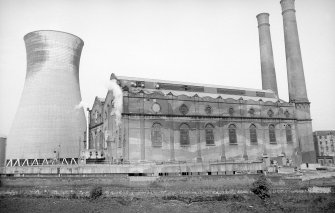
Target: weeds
(332, 190)
(200, 198)
(96, 192)
(73, 196)
(261, 187)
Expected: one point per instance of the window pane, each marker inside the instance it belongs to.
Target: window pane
(209, 134)
(232, 134)
(288, 133)
(184, 135)
(272, 134)
(156, 135)
(253, 134)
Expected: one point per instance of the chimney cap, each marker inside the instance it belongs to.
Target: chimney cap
(287, 5)
(263, 14)
(263, 19)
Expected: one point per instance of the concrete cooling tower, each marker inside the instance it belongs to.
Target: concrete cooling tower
(48, 123)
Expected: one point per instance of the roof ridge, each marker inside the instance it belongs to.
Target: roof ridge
(191, 84)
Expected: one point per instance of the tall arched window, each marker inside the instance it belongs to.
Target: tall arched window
(95, 139)
(253, 133)
(156, 134)
(288, 133)
(101, 140)
(272, 133)
(91, 141)
(95, 116)
(184, 135)
(209, 130)
(232, 134)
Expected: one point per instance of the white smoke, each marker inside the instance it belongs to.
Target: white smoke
(118, 100)
(82, 104)
(107, 135)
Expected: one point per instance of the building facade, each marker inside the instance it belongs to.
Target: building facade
(324, 146)
(175, 121)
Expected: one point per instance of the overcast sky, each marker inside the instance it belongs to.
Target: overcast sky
(201, 41)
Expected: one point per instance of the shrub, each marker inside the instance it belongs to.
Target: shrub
(222, 197)
(332, 190)
(261, 187)
(96, 192)
(73, 196)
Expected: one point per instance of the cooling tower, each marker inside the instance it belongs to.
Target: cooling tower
(48, 123)
(3, 141)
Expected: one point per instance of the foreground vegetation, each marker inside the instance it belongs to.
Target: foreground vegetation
(287, 202)
(260, 196)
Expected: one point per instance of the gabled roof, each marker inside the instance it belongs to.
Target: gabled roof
(98, 101)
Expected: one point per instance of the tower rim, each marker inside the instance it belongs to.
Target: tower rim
(55, 31)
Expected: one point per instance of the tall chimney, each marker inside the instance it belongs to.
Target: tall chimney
(295, 70)
(269, 80)
(296, 84)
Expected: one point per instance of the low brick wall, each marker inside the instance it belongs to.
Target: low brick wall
(148, 168)
(221, 182)
(60, 181)
(123, 185)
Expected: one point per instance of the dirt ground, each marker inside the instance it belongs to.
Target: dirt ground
(221, 203)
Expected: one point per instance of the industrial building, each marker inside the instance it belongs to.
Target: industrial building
(164, 121)
(160, 122)
(324, 146)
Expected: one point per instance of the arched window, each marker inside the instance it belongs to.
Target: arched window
(95, 115)
(253, 133)
(288, 133)
(101, 140)
(232, 134)
(272, 133)
(91, 141)
(184, 135)
(209, 130)
(156, 134)
(95, 139)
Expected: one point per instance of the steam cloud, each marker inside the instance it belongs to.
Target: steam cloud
(81, 105)
(117, 102)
